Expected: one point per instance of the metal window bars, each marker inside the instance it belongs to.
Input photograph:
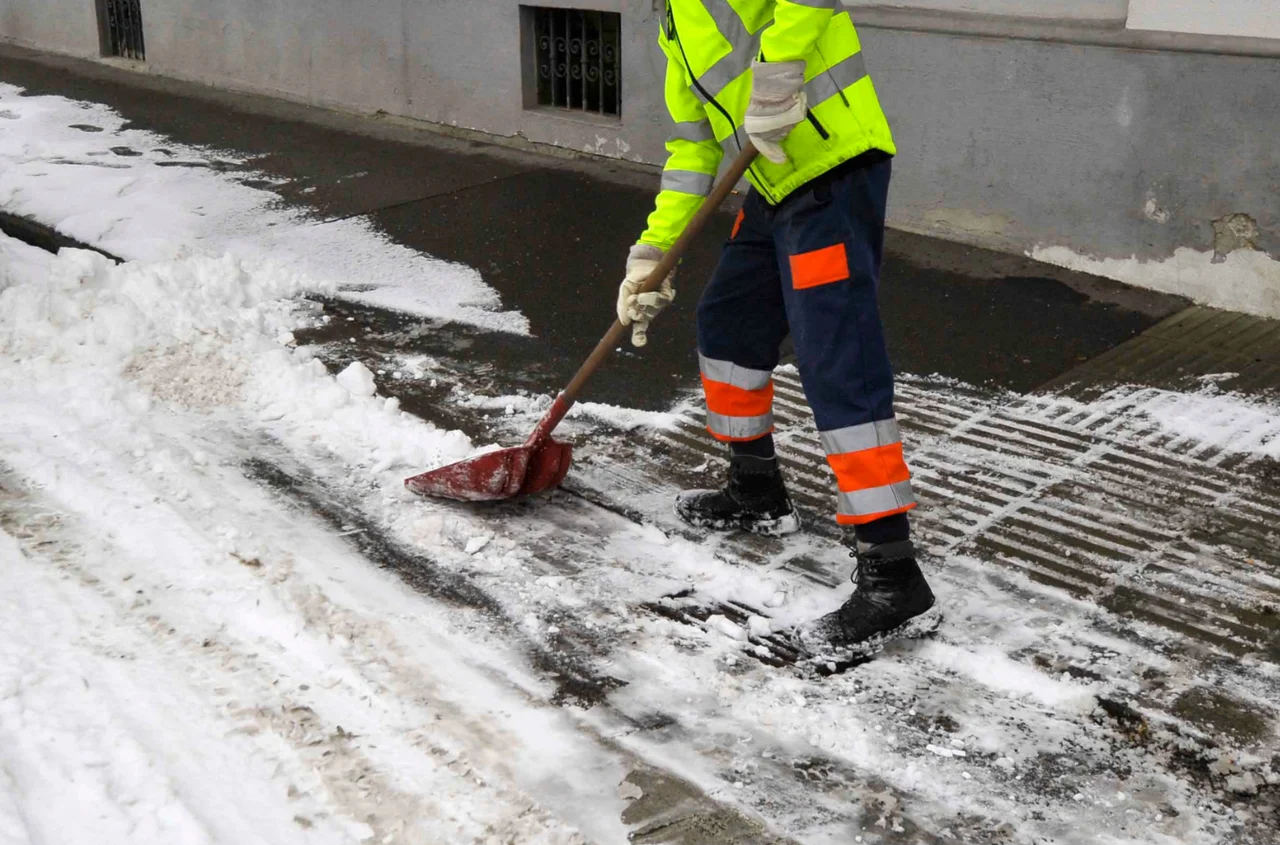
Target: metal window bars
(121, 22)
(579, 59)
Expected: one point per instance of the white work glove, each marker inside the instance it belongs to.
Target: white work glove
(778, 103)
(637, 309)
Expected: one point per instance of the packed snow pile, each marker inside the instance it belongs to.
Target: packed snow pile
(199, 333)
(179, 658)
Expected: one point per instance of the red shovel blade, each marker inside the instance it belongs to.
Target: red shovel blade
(494, 476)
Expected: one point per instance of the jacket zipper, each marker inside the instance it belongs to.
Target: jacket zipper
(813, 118)
(675, 35)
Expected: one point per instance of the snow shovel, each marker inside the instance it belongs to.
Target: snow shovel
(541, 463)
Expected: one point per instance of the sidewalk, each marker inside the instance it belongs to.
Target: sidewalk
(1097, 466)
(551, 237)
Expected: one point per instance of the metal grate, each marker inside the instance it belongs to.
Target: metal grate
(578, 59)
(121, 23)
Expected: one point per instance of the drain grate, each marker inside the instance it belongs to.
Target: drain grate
(1239, 352)
(1094, 499)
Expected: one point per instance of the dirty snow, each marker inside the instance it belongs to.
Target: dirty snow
(174, 647)
(225, 621)
(164, 601)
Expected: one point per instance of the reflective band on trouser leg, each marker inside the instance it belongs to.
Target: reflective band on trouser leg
(870, 471)
(727, 372)
(863, 506)
(728, 429)
(739, 400)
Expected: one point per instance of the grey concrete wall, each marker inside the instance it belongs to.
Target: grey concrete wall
(455, 62)
(1112, 152)
(1046, 134)
(1070, 10)
(63, 26)
(1255, 18)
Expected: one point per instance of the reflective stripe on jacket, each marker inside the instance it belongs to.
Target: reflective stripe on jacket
(710, 45)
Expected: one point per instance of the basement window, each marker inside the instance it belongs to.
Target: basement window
(120, 29)
(573, 60)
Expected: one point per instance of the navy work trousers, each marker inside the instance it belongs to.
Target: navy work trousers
(810, 267)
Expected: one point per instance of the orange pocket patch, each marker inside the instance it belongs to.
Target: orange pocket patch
(820, 267)
(737, 224)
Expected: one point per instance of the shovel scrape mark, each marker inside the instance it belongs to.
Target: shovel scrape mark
(576, 684)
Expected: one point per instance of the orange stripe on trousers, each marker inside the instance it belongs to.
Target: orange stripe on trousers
(735, 402)
(878, 467)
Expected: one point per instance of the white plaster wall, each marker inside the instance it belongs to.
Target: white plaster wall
(60, 25)
(1061, 10)
(1249, 18)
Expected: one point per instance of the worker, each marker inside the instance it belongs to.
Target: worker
(803, 258)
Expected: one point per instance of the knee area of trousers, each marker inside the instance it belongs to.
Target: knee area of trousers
(705, 321)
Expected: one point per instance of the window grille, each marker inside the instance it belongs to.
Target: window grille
(578, 59)
(121, 27)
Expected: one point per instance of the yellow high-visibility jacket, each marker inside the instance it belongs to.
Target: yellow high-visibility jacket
(710, 45)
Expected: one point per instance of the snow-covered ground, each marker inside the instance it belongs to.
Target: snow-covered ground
(77, 166)
(224, 621)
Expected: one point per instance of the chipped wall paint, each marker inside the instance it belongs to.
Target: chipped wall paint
(1244, 279)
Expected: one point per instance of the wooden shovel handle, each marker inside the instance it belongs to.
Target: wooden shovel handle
(668, 263)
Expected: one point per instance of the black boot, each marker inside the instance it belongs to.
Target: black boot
(755, 500)
(892, 600)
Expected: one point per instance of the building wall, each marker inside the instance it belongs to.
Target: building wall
(63, 26)
(1062, 10)
(1117, 151)
(1056, 138)
(1249, 18)
(450, 62)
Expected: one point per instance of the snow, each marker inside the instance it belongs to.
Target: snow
(171, 670)
(528, 407)
(358, 380)
(199, 333)
(193, 651)
(143, 197)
